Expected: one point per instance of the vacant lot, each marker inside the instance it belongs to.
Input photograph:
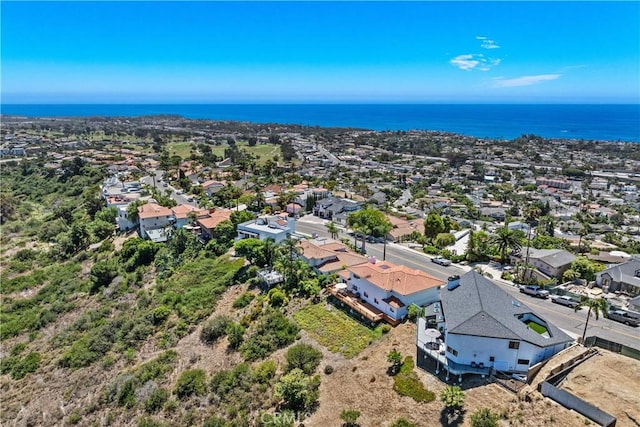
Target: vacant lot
(612, 383)
(335, 330)
(608, 380)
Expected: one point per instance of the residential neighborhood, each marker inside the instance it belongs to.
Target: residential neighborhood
(423, 241)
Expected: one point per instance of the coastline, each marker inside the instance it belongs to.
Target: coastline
(593, 122)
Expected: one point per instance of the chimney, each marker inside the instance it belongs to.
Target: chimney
(453, 282)
(372, 260)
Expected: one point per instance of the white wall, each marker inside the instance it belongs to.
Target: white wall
(152, 223)
(375, 296)
(480, 349)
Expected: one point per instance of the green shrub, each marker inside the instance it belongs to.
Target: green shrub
(350, 417)
(191, 382)
(484, 417)
(156, 400)
(160, 314)
(407, 383)
(156, 368)
(126, 395)
(214, 328)
(304, 357)
(277, 297)
(272, 332)
(265, 371)
(243, 300)
(402, 422)
(235, 334)
(297, 390)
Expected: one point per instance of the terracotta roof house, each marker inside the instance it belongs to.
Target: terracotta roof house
(392, 288)
(485, 328)
(328, 256)
(209, 223)
(183, 212)
(154, 220)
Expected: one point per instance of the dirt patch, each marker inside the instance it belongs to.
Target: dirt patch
(611, 382)
(363, 384)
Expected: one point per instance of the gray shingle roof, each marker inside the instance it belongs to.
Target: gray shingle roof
(554, 257)
(480, 307)
(624, 273)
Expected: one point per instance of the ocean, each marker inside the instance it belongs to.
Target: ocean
(620, 122)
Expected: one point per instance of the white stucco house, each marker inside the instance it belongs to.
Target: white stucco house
(276, 227)
(155, 220)
(484, 328)
(392, 288)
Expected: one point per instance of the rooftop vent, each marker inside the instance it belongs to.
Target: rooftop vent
(453, 282)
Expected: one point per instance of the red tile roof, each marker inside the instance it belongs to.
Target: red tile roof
(398, 278)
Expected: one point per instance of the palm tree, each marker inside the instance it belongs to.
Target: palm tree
(381, 231)
(531, 214)
(332, 229)
(289, 252)
(506, 239)
(597, 306)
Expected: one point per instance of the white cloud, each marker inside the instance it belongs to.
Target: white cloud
(487, 43)
(473, 61)
(465, 62)
(525, 80)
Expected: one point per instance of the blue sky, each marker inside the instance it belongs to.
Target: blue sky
(307, 52)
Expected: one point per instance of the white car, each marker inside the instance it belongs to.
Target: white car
(442, 261)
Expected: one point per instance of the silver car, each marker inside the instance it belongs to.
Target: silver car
(442, 261)
(564, 300)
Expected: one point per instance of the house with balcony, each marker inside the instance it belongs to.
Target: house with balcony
(476, 327)
(155, 222)
(386, 289)
(276, 227)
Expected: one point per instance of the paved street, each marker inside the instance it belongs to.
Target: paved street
(162, 186)
(564, 317)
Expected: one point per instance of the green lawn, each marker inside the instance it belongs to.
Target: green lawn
(263, 152)
(335, 330)
(536, 327)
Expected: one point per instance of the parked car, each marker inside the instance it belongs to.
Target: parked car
(564, 300)
(625, 317)
(442, 261)
(535, 291)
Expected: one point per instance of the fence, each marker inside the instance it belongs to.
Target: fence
(570, 401)
(612, 346)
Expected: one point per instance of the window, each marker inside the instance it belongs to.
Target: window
(523, 361)
(492, 359)
(514, 344)
(452, 351)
